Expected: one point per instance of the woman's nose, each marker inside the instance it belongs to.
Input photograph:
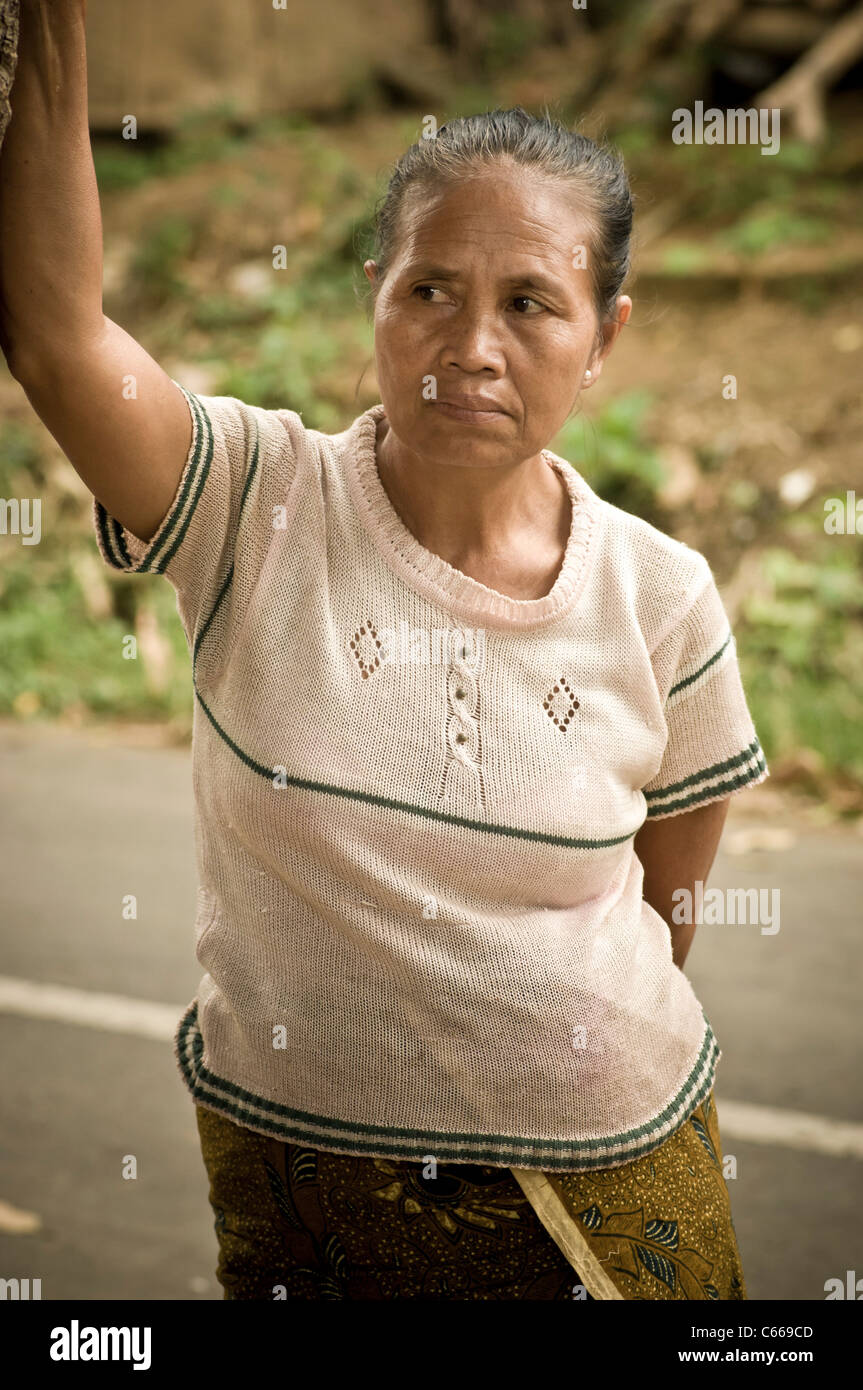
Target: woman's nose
(474, 342)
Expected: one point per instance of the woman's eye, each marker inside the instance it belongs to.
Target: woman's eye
(524, 305)
(525, 299)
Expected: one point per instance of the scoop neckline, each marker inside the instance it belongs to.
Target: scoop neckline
(440, 581)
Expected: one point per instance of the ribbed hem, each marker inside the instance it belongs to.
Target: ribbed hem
(283, 1122)
(746, 769)
(125, 551)
(439, 581)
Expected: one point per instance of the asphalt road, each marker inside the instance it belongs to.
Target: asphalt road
(85, 819)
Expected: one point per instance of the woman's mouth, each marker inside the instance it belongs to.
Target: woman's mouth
(471, 414)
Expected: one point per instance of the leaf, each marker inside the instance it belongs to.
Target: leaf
(711, 1291)
(662, 1232)
(591, 1218)
(304, 1167)
(693, 1272)
(657, 1265)
(282, 1197)
(629, 1224)
(621, 1256)
(336, 1258)
(704, 1137)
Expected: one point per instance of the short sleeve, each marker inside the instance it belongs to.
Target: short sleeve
(240, 465)
(712, 748)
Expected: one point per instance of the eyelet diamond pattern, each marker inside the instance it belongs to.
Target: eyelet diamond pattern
(365, 645)
(560, 704)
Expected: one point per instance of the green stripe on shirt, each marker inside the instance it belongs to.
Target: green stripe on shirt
(112, 533)
(713, 771)
(228, 580)
(688, 680)
(709, 790)
(371, 799)
(303, 1126)
(197, 476)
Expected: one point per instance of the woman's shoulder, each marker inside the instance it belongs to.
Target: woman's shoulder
(635, 545)
(648, 545)
(660, 575)
(638, 549)
(240, 417)
(246, 429)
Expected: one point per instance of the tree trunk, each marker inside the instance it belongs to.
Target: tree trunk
(801, 90)
(8, 57)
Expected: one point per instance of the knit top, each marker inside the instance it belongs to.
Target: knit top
(420, 911)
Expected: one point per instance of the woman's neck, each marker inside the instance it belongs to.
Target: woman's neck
(506, 528)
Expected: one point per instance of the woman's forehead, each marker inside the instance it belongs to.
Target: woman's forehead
(506, 215)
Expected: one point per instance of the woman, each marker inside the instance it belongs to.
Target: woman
(461, 731)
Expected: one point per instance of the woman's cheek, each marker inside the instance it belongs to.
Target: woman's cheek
(407, 355)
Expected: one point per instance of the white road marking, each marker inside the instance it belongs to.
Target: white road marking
(117, 1013)
(14, 1221)
(789, 1129)
(114, 1013)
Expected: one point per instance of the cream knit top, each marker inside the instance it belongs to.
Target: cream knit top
(420, 911)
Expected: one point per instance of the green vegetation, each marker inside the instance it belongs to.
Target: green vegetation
(202, 137)
(154, 271)
(764, 229)
(616, 455)
(685, 259)
(58, 659)
(800, 641)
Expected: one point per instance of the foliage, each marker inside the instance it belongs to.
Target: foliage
(765, 228)
(619, 462)
(155, 268)
(58, 660)
(299, 356)
(800, 640)
(685, 258)
(200, 137)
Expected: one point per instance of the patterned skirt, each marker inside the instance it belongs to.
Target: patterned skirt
(296, 1222)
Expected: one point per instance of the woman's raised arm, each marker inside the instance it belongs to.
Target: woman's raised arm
(114, 412)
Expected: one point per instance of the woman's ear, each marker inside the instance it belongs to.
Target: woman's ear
(370, 270)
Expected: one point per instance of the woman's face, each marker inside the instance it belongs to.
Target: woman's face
(484, 323)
